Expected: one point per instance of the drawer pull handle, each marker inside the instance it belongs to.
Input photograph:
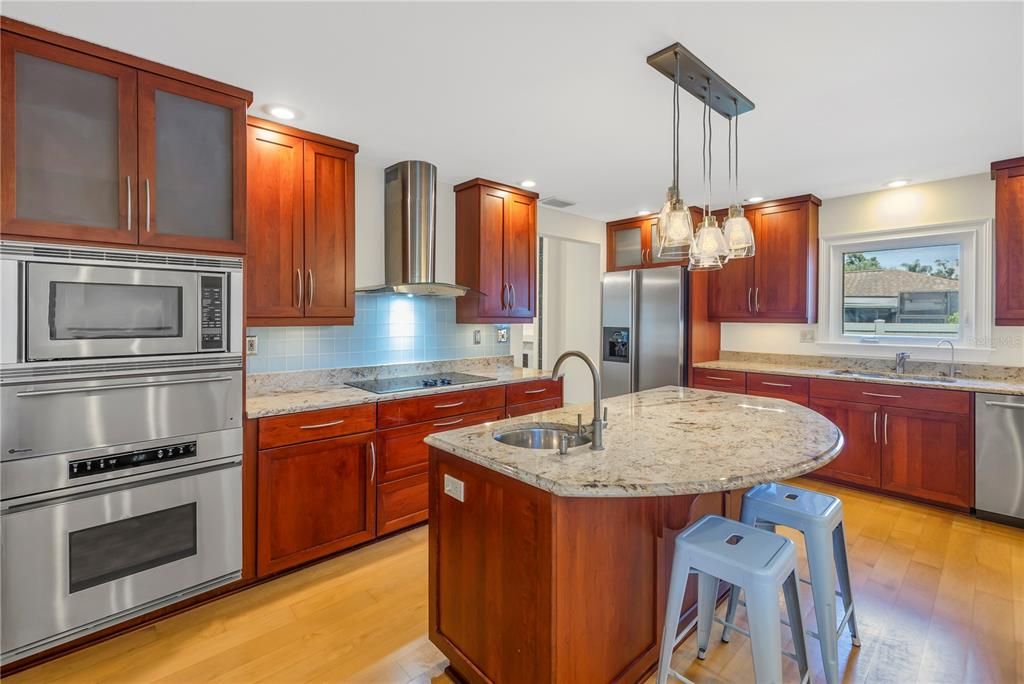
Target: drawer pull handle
(536, 391)
(322, 425)
(883, 396)
(775, 384)
(453, 405)
(449, 422)
(719, 377)
(1005, 404)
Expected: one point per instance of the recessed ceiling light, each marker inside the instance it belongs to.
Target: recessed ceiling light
(643, 212)
(751, 200)
(898, 183)
(280, 112)
(528, 183)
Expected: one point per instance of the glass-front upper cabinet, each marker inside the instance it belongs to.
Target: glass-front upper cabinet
(626, 248)
(191, 166)
(69, 144)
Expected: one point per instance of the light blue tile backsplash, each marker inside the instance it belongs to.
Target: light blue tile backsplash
(387, 329)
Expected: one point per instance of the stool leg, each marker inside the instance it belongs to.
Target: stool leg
(765, 633)
(673, 607)
(822, 562)
(707, 592)
(796, 623)
(843, 570)
(730, 613)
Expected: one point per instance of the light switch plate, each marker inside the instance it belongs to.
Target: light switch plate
(502, 334)
(454, 488)
(252, 344)
(476, 337)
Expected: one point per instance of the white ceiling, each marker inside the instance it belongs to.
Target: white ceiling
(848, 95)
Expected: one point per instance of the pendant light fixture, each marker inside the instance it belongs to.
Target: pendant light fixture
(739, 236)
(674, 229)
(709, 251)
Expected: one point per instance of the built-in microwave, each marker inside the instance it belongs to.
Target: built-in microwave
(82, 303)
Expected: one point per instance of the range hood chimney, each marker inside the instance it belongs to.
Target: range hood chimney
(410, 232)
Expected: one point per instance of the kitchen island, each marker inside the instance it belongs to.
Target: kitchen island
(553, 568)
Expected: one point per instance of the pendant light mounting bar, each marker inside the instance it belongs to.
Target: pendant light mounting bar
(694, 76)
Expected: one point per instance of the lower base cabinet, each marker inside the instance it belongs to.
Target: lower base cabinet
(401, 503)
(927, 455)
(858, 463)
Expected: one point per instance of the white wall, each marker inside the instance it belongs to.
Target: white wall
(955, 199)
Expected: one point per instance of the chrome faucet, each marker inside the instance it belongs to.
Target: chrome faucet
(953, 372)
(596, 425)
(901, 362)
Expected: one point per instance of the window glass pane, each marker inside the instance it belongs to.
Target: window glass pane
(912, 291)
(84, 311)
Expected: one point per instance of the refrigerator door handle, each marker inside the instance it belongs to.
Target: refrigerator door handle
(634, 324)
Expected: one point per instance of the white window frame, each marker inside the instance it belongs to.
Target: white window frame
(976, 285)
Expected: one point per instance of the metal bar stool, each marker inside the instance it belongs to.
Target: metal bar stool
(820, 518)
(761, 563)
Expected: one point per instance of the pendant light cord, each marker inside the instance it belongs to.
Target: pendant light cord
(675, 131)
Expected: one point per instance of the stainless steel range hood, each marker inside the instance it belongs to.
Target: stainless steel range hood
(410, 212)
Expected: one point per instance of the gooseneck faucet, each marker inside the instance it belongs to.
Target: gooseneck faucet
(901, 362)
(596, 425)
(952, 357)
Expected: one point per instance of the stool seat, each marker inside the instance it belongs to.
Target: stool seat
(785, 504)
(736, 549)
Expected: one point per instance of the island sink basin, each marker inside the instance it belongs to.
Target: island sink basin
(541, 436)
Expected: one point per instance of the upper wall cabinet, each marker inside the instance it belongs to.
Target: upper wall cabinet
(1009, 178)
(633, 243)
(495, 252)
(100, 146)
(301, 224)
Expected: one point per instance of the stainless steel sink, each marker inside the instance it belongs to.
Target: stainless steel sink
(541, 436)
(893, 376)
(861, 374)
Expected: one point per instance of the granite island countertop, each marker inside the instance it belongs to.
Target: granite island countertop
(662, 442)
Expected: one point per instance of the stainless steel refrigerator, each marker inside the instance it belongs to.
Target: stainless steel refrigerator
(643, 329)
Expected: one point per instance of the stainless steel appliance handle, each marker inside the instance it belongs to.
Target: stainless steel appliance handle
(312, 284)
(322, 425)
(132, 385)
(298, 279)
(775, 384)
(874, 426)
(1005, 404)
(883, 396)
(536, 391)
(450, 422)
(128, 182)
(885, 429)
(458, 403)
(373, 461)
(147, 206)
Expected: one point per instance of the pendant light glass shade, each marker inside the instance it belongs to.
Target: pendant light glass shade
(709, 251)
(739, 236)
(674, 228)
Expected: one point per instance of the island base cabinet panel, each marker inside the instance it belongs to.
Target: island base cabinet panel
(927, 455)
(314, 499)
(859, 462)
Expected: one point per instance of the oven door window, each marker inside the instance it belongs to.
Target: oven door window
(94, 311)
(114, 550)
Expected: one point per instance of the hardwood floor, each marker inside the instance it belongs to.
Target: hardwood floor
(940, 598)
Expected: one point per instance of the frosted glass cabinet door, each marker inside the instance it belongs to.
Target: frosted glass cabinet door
(69, 128)
(627, 243)
(191, 166)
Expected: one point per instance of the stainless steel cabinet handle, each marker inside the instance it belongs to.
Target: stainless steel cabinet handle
(874, 426)
(373, 461)
(147, 206)
(450, 422)
(757, 299)
(504, 289)
(885, 429)
(322, 425)
(512, 290)
(458, 403)
(19, 451)
(775, 384)
(750, 306)
(883, 396)
(719, 377)
(536, 391)
(1005, 404)
(104, 388)
(128, 182)
(298, 279)
(312, 284)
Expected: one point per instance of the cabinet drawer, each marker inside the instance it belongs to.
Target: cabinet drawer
(948, 401)
(307, 426)
(401, 451)
(535, 407)
(435, 406)
(535, 390)
(402, 503)
(779, 386)
(727, 381)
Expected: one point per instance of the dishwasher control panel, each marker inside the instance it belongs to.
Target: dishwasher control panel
(134, 459)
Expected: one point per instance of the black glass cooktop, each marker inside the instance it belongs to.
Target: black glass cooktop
(415, 382)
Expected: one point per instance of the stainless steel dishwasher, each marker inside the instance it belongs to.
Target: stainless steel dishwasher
(999, 457)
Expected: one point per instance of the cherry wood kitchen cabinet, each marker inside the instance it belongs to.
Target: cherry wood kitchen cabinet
(301, 218)
(103, 147)
(1009, 235)
(719, 380)
(633, 243)
(496, 252)
(788, 387)
(859, 462)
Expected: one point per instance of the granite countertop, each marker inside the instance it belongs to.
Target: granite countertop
(662, 442)
(295, 400)
(1007, 385)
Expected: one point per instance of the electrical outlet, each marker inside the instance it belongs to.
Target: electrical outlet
(476, 337)
(502, 334)
(252, 344)
(454, 488)
(807, 336)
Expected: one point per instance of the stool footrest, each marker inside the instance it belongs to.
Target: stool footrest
(732, 626)
(683, 634)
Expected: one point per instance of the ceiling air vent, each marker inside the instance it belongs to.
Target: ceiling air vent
(556, 202)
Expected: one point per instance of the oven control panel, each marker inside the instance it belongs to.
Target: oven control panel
(213, 318)
(94, 466)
